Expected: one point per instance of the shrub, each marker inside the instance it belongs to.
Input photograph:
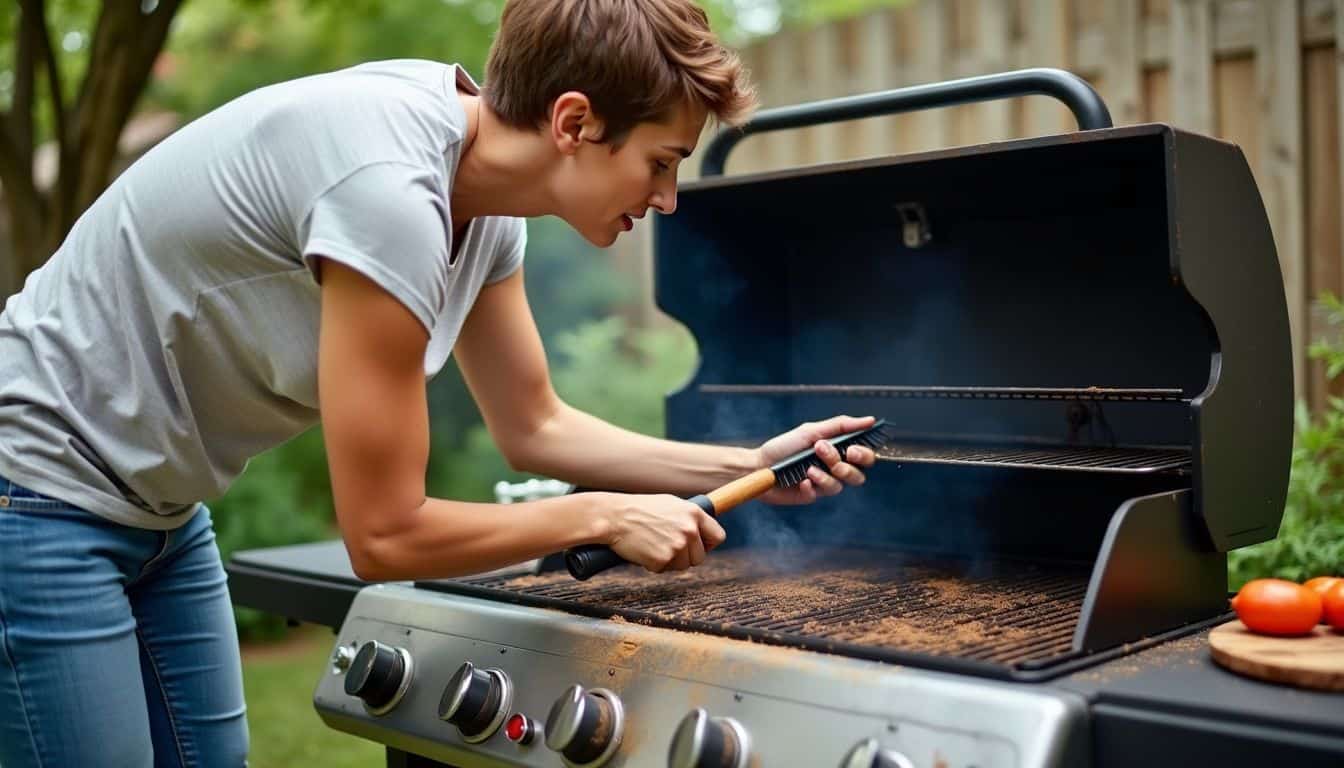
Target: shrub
(284, 497)
(1311, 538)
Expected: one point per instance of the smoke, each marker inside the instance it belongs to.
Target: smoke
(903, 509)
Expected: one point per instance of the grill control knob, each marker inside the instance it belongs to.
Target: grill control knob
(702, 741)
(476, 701)
(585, 727)
(870, 754)
(379, 675)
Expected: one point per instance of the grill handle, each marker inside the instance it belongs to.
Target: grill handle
(1075, 92)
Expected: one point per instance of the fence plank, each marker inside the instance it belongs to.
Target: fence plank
(930, 128)
(1047, 40)
(1339, 123)
(1123, 73)
(786, 87)
(1157, 96)
(960, 19)
(1278, 82)
(1235, 29)
(1323, 239)
(1192, 65)
(823, 52)
(877, 71)
(994, 30)
(1238, 118)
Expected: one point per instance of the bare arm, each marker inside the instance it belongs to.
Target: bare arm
(501, 357)
(375, 421)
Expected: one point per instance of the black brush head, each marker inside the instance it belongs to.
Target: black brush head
(793, 470)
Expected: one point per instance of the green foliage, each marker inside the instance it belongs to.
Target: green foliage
(1311, 538)
(602, 367)
(70, 24)
(622, 376)
(284, 497)
(285, 729)
(220, 50)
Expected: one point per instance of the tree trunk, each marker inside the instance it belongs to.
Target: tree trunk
(126, 42)
(27, 250)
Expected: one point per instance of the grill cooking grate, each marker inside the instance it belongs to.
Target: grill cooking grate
(1161, 394)
(1136, 460)
(991, 619)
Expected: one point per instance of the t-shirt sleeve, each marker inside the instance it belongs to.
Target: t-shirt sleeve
(509, 255)
(387, 222)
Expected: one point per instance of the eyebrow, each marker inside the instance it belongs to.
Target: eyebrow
(683, 151)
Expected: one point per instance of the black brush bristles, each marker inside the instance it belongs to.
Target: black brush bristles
(793, 470)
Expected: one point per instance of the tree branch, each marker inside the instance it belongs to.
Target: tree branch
(15, 173)
(126, 43)
(26, 210)
(63, 192)
(22, 199)
(24, 55)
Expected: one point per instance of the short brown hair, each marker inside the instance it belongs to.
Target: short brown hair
(635, 60)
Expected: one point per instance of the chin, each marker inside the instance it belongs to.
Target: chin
(600, 238)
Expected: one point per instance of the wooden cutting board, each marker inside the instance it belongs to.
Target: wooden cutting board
(1310, 661)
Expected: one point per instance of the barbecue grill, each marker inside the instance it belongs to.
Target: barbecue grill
(1082, 341)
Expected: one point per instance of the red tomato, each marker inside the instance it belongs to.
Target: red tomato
(1322, 584)
(1334, 605)
(1278, 607)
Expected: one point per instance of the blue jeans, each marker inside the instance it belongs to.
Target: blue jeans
(117, 645)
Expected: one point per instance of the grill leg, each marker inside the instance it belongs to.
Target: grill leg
(398, 759)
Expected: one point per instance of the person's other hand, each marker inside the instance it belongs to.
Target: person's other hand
(840, 470)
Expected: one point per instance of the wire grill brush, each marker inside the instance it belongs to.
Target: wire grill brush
(585, 561)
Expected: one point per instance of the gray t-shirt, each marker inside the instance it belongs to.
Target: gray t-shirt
(174, 334)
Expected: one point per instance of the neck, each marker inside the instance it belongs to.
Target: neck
(502, 171)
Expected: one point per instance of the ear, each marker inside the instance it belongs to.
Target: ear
(573, 122)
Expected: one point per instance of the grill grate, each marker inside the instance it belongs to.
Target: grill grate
(1160, 394)
(990, 618)
(1124, 460)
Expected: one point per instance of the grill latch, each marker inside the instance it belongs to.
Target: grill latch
(914, 224)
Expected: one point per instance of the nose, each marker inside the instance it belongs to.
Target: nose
(664, 196)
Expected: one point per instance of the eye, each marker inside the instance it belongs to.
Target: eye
(660, 167)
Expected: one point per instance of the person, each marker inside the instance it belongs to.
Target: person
(308, 253)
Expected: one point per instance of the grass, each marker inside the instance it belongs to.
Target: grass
(278, 681)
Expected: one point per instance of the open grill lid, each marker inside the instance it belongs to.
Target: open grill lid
(1109, 299)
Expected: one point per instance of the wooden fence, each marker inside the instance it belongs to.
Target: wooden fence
(1266, 74)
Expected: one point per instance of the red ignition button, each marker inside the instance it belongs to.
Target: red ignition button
(519, 729)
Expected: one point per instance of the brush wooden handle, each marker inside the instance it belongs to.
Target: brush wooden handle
(741, 490)
(588, 560)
